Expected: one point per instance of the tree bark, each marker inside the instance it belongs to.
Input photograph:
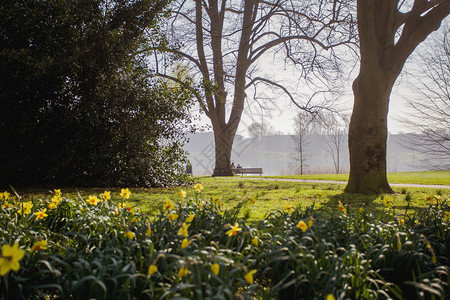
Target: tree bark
(223, 140)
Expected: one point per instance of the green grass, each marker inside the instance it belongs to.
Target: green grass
(428, 177)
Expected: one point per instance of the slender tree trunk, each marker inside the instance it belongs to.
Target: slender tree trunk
(368, 135)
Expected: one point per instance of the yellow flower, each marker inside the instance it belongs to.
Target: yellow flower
(190, 218)
(6, 195)
(215, 200)
(39, 245)
(25, 208)
(183, 272)
(93, 200)
(446, 216)
(185, 243)
(182, 194)
(9, 260)
(249, 276)
(330, 297)
(130, 234)
(106, 195)
(125, 193)
(56, 198)
(41, 214)
(289, 208)
(7, 205)
(127, 206)
(310, 221)
(215, 268)
(58, 192)
(183, 230)
(388, 201)
(234, 229)
(52, 205)
(148, 232)
(302, 225)
(342, 208)
(198, 187)
(152, 270)
(168, 205)
(361, 210)
(401, 222)
(172, 217)
(255, 241)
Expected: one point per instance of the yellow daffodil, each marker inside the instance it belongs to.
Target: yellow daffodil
(215, 200)
(127, 206)
(41, 214)
(342, 208)
(52, 205)
(10, 257)
(302, 225)
(185, 243)
(330, 297)
(152, 270)
(56, 198)
(130, 234)
(198, 187)
(125, 193)
(388, 201)
(106, 195)
(190, 218)
(289, 208)
(183, 230)
(25, 208)
(93, 200)
(401, 222)
(361, 210)
(148, 232)
(6, 195)
(168, 205)
(446, 216)
(182, 194)
(172, 217)
(200, 204)
(234, 229)
(58, 192)
(39, 245)
(310, 222)
(249, 276)
(255, 241)
(183, 272)
(7, 205)
(215, 268)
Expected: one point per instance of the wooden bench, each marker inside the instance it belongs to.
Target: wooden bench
(242, 171)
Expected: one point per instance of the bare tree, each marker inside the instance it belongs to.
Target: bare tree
(389, 31)
(430, 120)
(257, 130)
(224, 41)
(304, 125)
(334, 131)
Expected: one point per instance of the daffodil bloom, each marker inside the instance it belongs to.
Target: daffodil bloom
(215, 200)
(361, 210)
(134, 220)
(39, 245)
(183, 230)
(200, 204)
(106, 195)
(25, 208)
(168, 205)
(302, 225)
(183, 272)
(52, 205)
(401, 222)
(7, 205)
(130, 234)
(190, 218)
(6, 195)
(185, 243)
(182, 194)
(288, 208)
(198, 187)
(93, 200)
(330, 297)
(234, 230)
(249, 276)
(148, 232)
(342, 208)
(41, 214)
(310, 222)
(172, 217)
(152, 270)
(125, 193)
(215, 268)
(446, 216)
(56, 198)
(10, 257)
(127, 206)
(388, 201)
(255, 241)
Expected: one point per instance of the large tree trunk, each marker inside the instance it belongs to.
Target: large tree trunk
(368, 135)
(223, 139)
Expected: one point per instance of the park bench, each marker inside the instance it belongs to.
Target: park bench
(242, 171)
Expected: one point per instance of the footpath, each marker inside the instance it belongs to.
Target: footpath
(431, 186)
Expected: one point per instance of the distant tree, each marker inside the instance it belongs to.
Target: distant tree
(333, 133)
(257, 130)
(79, 105)
(304, 126)
(389, 31)
(225, 41)
(430, 120)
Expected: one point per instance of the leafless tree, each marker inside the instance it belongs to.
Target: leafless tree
(257, 130)
(305, 125)
(229, 44)
(430, 117)
(389, 31)
(333, 132)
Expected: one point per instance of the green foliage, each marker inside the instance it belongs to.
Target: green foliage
(79, 104)
(104, 249)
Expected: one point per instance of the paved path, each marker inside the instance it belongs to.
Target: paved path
(434, 186)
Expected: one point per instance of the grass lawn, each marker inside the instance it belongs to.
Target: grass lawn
(266, 195)
(428, 177)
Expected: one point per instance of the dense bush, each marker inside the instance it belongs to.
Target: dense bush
(79, 104)
(104, 248)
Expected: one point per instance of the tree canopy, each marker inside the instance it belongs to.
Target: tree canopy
(79, 104)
